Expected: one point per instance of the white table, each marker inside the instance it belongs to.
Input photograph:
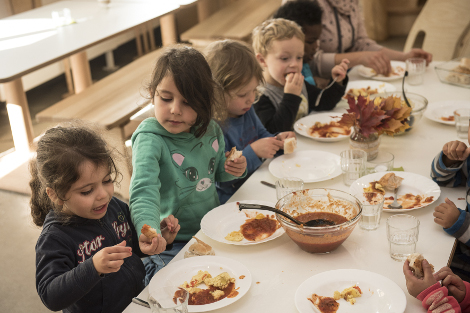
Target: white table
(47, 45)
(280, 266)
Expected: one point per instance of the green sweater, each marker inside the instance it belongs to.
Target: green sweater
(175, 174)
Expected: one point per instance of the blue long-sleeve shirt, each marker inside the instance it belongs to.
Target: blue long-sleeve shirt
(240, 132)
(456, 175)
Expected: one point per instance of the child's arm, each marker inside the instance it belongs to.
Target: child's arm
(454, 220)
(329, 98)
(449, 172)
(281, 119)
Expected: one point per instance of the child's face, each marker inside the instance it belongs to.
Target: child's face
(284, 57)
(90, 194)
(312, 40)
(241, 100)
(171, 108)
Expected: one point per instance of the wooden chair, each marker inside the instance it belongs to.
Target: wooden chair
(444, 24)
(234, 21)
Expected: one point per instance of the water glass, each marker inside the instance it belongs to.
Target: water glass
(382, 163)
(287, 185)
(402, 234)
(372, 206)
(416, 68)
(462, 117)
(168, 299)
(353, 165)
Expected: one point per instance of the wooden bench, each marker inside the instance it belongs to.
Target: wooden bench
(234, 21)
(111, 101)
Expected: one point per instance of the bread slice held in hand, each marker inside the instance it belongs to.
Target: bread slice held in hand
(416, 266)
(234, 154)
(199, 248)
(289, 145)
(149, 231)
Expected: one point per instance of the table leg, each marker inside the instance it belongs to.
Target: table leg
(18, 114)
(80, 71)
(145, 39)
(168, 29)
(203, 10)
(138, 42)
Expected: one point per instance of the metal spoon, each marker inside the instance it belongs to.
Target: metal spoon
(395, 205)
(312, 223)
(321, 92)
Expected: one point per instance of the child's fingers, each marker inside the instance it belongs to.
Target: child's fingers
(449, 201)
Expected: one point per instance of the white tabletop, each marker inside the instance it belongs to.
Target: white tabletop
(279, 267)
(40, 44)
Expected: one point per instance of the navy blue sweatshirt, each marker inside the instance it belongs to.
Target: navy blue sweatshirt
(66, 278)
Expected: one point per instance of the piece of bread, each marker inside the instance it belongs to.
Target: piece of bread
(149, 231)
(289, 145)
(465, 62)
(416, 266)
(199, 248)
(234, 154)
(390, 181)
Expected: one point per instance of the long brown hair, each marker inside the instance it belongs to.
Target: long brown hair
(60, 152)
(193, 79)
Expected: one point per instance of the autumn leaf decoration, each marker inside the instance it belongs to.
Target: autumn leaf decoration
(381, 115)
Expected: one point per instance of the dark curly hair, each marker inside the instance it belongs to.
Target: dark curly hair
(303, 12)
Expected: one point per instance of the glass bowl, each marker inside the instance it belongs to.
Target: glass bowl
(451, 72)
(346, 210)
(418, 104)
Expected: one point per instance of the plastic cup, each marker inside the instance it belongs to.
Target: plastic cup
(462, 117)
(402, 234)
(416, 68)
(287, 185)
(372, 206)
(353, 165)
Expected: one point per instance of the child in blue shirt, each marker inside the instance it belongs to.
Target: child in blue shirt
(237, 71)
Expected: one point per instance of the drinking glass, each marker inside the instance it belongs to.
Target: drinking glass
(372, 205)
(382, 163)
(416, 68)
(462, 117)
(353, 165)
(169, 299)
(402, 234)
(287, 185)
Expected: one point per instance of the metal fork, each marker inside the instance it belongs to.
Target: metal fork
(395, 205)
(321, 92)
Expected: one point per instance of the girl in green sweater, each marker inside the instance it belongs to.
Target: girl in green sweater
(179, 155)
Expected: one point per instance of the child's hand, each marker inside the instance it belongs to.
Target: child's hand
(236, 167)
(152, 246)
(453, 283)
(109, 259)
(169, 227)
(284, 135)
(340, 71)
(446, 214)
(267, 147)
(294, 83)
(455, 151)
(415, 285)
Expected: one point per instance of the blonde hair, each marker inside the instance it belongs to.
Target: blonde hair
(233, 64)
(274, 29)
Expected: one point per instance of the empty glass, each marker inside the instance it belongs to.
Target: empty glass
(382, 163)
(353, 165)
(402, 234)
(287, 185)
(462, 117)
(372, 205)
(416, 68)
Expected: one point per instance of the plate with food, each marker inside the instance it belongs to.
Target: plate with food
(398, 70)
(367, 87)
(349, 290)
(227, 224)
(414, 191)
(308, 165)
(213, 282)
(443, 111)
(322, 127)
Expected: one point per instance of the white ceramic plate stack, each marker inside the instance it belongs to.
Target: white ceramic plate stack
(379, 294)
(175, 274)
(303, 125)
(224, 219)
(398, 68)
(436, 111)
(308, 165)
(412, 183)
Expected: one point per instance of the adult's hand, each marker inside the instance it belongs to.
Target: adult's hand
(419, 53)
(377, 60)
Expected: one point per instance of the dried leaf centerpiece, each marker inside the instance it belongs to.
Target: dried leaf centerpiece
(380, 115)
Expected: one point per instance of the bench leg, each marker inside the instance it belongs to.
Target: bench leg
(138, 42)
(168, 29)
(81, 72)
(68, 78)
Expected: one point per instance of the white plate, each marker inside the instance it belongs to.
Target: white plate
(412, 183)
(308, 165)
(436, 110)
(367, 72)
(224, 219)
(303, 125)
(379, 294)
(373, 84)
(180, 271)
